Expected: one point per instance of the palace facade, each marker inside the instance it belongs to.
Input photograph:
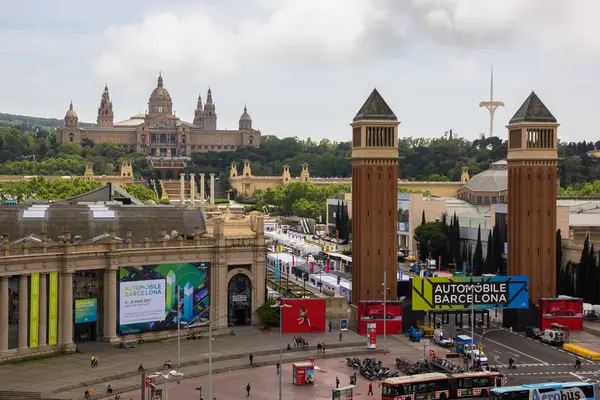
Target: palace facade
(159, 132)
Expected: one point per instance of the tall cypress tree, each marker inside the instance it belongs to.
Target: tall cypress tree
(582, 268)
(489, 257)
(478, 255)
(458, 258)
(423, 218)
(561, 284)
(338, 219)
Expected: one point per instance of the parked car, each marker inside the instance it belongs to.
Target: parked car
(378, 314)
(561, 310)
(533, 332)
(553, 337)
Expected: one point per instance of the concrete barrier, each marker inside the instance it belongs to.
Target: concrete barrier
(582, 352)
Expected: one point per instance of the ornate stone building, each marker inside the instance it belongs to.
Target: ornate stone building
(159, 132)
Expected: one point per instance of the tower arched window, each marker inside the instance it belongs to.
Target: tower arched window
(251, 139)
(71, 137)
(183, 139)
(143, 139)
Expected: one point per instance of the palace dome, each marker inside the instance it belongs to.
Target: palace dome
(160, 93)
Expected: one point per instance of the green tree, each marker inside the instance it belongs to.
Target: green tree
(141, 192)
(478, 255)
(432, 240)
(489, 267)
(41, 189)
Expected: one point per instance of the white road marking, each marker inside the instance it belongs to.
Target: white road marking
(520, 352)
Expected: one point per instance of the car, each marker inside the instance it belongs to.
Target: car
(533, 332)
(561, 310)
(378, 314)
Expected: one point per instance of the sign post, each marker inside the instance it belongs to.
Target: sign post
(144, 381)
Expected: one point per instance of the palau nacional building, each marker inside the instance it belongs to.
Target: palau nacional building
(159, 132)
(94, 269)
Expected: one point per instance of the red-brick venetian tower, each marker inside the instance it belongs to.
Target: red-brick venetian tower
(374, 201)
(532, 174)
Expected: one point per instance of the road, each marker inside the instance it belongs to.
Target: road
(535, 361)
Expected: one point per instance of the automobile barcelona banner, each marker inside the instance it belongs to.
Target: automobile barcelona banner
(456, 293)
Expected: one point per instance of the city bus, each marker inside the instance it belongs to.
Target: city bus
(441, 386)
(551, 390)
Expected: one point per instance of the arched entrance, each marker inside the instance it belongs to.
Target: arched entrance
(239, 300)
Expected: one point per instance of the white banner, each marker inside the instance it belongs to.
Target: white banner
(142, 301)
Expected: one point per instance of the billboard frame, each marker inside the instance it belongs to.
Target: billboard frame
(452, 293)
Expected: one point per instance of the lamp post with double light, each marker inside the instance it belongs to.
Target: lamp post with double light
(166, 378)
(281, 306)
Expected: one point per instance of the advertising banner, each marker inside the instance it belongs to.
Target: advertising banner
(53, 308)
(566, 311)
(276, 270)
(304, 315)
(34, 311)
(372, 312)
(86, 310)
(149, 294)
(372, 336)
(142, 301)
(461, 292)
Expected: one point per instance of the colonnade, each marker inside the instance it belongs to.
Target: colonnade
(193, 188)
(45, 311)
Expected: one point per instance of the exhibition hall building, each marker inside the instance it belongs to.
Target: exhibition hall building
(79, 271)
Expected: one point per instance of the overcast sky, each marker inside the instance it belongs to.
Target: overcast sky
(304, 67)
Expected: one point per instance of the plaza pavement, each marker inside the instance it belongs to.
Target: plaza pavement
(67, 377)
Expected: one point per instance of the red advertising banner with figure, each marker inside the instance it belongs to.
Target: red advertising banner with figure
(372, 312)
(304, 315)
(564, 311)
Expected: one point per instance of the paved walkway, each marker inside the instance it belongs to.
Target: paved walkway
(69, 376)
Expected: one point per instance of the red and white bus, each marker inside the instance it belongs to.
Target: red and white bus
(441, 386)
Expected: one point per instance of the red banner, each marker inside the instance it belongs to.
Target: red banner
(304, 315)
(372, 312)
(312, 267)
(293, 261)
(327, 266)
(372, 328)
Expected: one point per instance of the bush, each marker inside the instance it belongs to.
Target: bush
(221, 201)
(164, 201)
(269, 315)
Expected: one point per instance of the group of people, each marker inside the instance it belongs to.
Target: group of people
(321, 348)
(300, 342)
(353, 382)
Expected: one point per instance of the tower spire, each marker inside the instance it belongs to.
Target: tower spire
(160, 79)
(491, 105)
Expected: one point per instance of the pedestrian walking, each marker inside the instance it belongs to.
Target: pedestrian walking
(337, 382)
(340, 336)
(319, 347)
(329, 326)
(295, 341)
(370, 393)
(251, 358)
(323, 348)
(277, 366)
(248, 387)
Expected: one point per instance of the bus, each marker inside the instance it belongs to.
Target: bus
(441, 386)
(546, 391)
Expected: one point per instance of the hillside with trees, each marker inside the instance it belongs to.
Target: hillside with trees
(28, 146)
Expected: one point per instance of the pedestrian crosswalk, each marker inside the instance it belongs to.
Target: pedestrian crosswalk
(544, 365)
(582, 373)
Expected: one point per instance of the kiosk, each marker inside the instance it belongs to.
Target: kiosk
(304, 373)
(343, 393)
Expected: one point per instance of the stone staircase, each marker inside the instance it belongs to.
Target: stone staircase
(173, 191)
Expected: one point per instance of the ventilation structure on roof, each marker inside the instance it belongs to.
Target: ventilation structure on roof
(100, 211)
(36, 211)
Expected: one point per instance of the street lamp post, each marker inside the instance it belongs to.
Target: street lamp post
(178, 329)
(166, 377)
(281, 306)
(385, 288)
